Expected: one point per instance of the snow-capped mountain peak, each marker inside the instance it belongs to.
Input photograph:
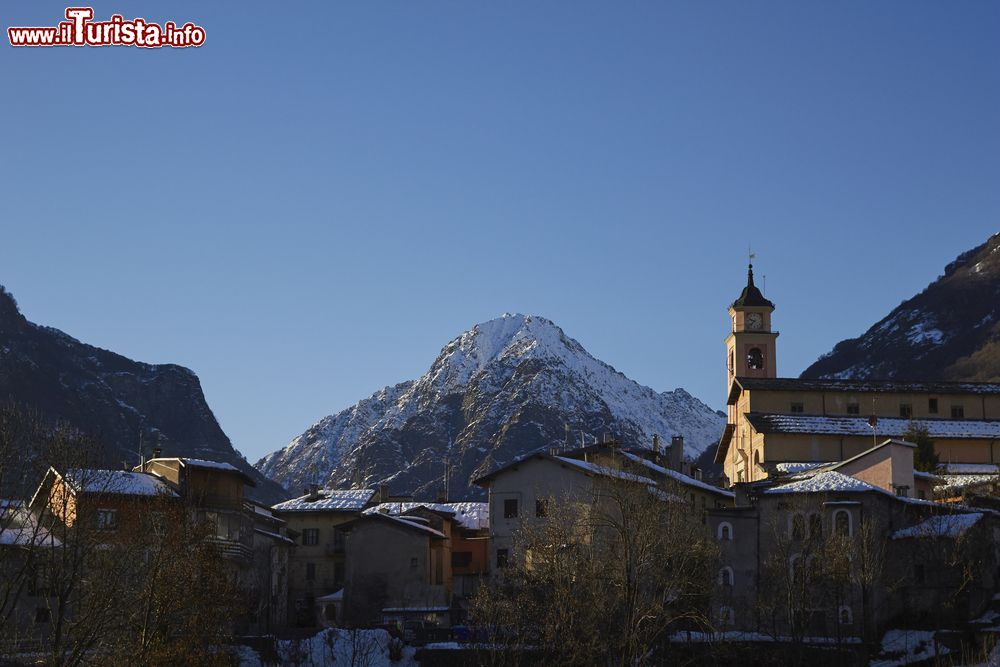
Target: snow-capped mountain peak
(503, 388)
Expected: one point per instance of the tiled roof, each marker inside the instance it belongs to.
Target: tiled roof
(887, 427)
(328, 500)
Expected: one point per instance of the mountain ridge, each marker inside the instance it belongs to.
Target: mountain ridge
(118, 401)
(950, 330)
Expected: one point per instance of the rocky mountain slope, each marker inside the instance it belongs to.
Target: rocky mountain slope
(950, 331)
(504, 388)
(111, 397)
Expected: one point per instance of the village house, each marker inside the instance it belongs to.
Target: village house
(399, 568)
(317, 564)
(775, 424)
(523, 490)
(466, 528)
(842, 550)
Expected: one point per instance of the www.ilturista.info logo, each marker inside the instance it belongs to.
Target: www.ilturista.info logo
(81, 30)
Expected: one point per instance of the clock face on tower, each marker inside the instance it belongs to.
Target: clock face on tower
(754, 321)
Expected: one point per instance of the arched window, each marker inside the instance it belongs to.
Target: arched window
(755, 358)
(726, 576)
(756, 458)
(812, 568)
(815, 526)
(845, 615)
(842, 523)
(794, 568)
(798, 527)
(725, 531)
(726, 616)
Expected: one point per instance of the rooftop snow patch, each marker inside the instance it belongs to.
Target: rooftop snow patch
(471, 516)
(887, 427)
(948, 525)
(826, 482)
(328, 500)
(118, 482)
(676, 476)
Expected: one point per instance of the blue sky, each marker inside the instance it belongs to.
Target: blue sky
(309, 206)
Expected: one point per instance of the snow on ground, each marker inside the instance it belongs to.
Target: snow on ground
(358, 648)
(902, 647)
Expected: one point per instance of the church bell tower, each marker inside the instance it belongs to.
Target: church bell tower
(750, 346)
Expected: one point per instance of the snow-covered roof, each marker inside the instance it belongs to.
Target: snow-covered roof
(471, 516)
(603, 471)
(119, 482)
(868, 386)
(948, 525)
(969, 468)
(205, 464)
(887, 427)
(955, 484)
(328, 500)
(826, 482)
(676, 476)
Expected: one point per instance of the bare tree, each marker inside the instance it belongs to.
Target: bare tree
(602, 578)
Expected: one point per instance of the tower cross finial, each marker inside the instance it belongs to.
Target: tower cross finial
(751, 254)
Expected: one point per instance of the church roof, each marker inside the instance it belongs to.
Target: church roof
(751, 296)
(860, 386)
(958, 429)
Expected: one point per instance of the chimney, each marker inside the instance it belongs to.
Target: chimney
(442, 496)
(675, 456)
(156, 452)
(312, 492)
(383, 492)
(656, 444)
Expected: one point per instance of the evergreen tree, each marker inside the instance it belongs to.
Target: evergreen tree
(925, 458)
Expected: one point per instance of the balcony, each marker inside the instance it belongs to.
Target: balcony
(231, 549)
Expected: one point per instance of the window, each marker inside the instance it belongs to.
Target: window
(901, 490)
(853, 409)
(845, 616)
(905, 410)
(958, 412)
(510, 508)
(107, 519)
(798, 407)
(461, 558)
(310, 571)
(755, 359)
(338, 574)
(922, 494)
(413, 563)
(798, 527)
(725, 531)
(794, 569)
(726, 576)
(541, 507)
(732, 361)
(842, 523)
(502, 558)
(815, 526)
(932, 406)
(310, 537)
(726, 616)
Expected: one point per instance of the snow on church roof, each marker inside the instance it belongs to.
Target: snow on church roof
(948, 525)
(887, 427)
